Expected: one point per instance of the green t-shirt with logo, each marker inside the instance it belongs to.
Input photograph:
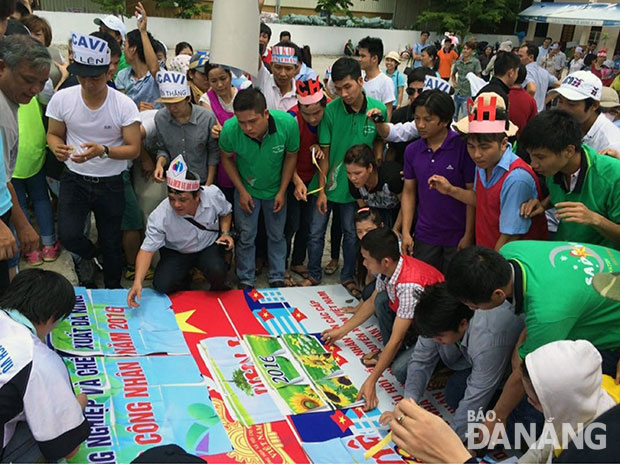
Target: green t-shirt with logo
(32, 141)
(260, 164)
(340, 129)
(598, 188)
(558, 299)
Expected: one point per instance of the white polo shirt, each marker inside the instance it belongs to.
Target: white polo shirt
(35, 388)
(603, 134)
(275, 100)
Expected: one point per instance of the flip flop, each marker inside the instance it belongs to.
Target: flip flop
(352, 288)
(331, 267)
(309, 282)
(370, 359)
(300, 271)
(607, 285)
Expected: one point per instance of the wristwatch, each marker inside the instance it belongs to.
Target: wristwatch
(106, 152)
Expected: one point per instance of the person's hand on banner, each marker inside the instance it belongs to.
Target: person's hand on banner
(331, 335)
(135, 295)
(368, 393)
(386, 417)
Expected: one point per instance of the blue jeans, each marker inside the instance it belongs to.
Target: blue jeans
(386, 318)
(460, 106)
(316, 238)
(35, 188)
(246, 225)
(105, 197)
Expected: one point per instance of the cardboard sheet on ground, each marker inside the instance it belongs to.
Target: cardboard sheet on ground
(234, 34)
(140, 402)
(102, 324)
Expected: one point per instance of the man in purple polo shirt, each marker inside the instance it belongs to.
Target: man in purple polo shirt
(444, 225)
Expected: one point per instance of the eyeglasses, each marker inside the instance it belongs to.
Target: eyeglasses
(411, 91)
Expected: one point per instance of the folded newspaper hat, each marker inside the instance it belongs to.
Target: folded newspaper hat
(283, 55)
(91, 55)
(309, 91)
(176, 177)
(435, 83)
(173, 87)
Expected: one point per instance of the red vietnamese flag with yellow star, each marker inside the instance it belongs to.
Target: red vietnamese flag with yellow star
(342, 421)
(255, 295)
(265, 315)
(298, 315)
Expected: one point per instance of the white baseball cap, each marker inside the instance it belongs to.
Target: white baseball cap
(579, 86)
(112, 22)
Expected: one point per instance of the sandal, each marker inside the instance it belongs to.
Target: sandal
(309, 282)
(288, 280)
(331, 267)
(352, 288)
(370, 359)
(300, 271)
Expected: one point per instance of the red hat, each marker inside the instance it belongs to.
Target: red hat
(309, 92)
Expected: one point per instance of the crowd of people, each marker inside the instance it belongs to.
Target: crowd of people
(475, 196)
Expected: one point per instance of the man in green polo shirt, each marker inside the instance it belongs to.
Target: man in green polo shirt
(345, 124)
(583, 185)
(551, 284)
(265, 143)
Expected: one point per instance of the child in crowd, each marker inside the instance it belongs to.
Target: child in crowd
(366, 219)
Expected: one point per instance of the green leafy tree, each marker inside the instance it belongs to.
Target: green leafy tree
(186, 9)
(330, 7)
(117, 7)
(242, 383)
(461, 15)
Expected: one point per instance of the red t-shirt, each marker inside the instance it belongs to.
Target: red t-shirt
(522, 108)
(308, 136)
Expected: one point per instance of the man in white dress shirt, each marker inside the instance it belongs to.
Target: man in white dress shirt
(191, 228)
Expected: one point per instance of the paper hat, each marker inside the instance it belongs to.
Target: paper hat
(283, 55)
(579, 86)
(91, 55)
(112, 22)
(393, 56)
(176, 177)
(505, 46)
(199, 61)
(482, 116)
(554, 47)
(173, 87)
(309, 92)
(435, 83)
(579, 50)
(602, 52)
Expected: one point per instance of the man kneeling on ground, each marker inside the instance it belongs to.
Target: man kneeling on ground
(185, 228)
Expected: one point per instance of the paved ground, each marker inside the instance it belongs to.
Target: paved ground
(64, 265)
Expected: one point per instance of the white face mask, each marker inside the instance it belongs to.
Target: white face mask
(610, 116)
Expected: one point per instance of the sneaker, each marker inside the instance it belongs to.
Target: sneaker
(277, 284)
(85, 271)
(35, 258)
(51, 252)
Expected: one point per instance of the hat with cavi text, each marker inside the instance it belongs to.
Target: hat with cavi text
(91, 55)
(173, 87)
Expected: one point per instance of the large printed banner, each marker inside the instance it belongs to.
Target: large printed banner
(137, 403)
(234, 377)
(262, 351)
(102, 324)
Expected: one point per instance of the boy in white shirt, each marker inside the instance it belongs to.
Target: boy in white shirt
(376, 84)
(94, 130)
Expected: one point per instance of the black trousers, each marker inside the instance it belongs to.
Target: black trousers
(4, 265)
(173, 268)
